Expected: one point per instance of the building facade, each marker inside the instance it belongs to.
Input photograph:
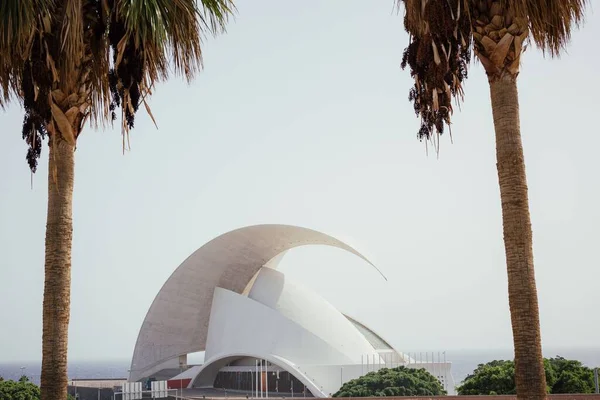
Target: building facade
(259, 330)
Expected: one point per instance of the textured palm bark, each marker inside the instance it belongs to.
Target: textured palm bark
(529, 368)
(57, 284)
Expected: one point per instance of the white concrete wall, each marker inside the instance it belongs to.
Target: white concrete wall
(199, 308)
(177, 321)
(284, 320)
(310, 311)
(240, 325)
(244, 327)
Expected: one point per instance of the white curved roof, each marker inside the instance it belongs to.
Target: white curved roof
(309, 311)
(177, 321)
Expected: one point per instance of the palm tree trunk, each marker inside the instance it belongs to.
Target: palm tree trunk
(57, 284)
(522, 292)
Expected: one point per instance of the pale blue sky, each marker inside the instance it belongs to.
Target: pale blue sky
(301, 117)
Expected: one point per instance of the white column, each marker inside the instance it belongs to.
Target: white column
(261, 388)
(439, 364)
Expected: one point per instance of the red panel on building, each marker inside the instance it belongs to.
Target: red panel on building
(178, 383)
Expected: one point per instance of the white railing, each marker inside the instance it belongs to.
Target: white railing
(153, 394)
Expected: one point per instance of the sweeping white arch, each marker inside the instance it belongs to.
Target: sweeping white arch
(177, 321)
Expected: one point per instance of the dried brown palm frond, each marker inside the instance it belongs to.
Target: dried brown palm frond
(442, 33)
(438, 56)
(550, 21)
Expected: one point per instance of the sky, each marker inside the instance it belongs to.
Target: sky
(301, 117)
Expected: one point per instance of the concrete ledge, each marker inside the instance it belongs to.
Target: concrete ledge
(483, 397)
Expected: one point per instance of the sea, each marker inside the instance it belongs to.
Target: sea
(463, 363)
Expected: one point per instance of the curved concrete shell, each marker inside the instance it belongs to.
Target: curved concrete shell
(292, 327)
(177, 321)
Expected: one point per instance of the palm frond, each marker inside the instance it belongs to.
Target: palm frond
(56, 58)
(148, 37)
(18, 19)
(413, 16)
(438, 55)
(442, 33)
(551, 22)
(172, 30)
(215, 14)
(15, 17)
(72, 45)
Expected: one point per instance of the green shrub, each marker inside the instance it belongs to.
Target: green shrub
(386, 382)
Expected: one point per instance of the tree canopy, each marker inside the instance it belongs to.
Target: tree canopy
(571, 376)
(400, 381)
(22, 389)
(498, 377)
(19, 390)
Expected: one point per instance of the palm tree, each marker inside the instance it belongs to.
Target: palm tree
(72, 61)
(442, 35)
